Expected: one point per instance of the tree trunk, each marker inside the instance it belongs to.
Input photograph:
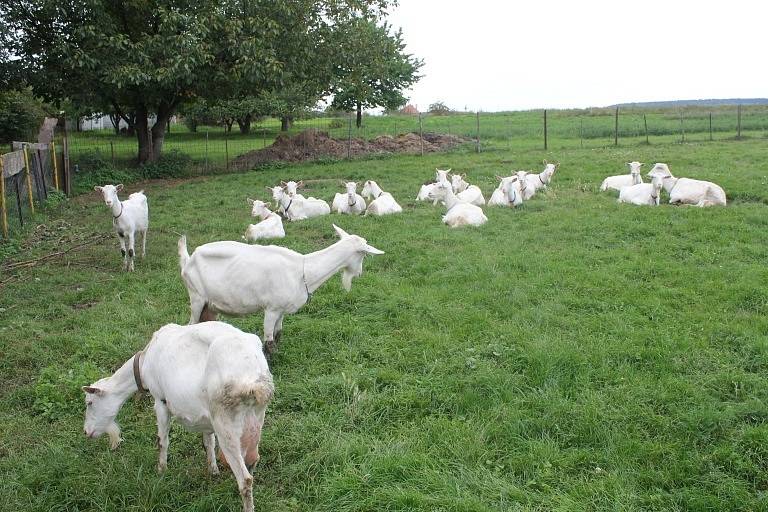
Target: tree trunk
(164, 113)
(228, 125)
(359, 115)
(144, 136)
(285, 123)
(245, 124)
(115, 120)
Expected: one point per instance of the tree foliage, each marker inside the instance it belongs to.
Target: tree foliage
(21, 114)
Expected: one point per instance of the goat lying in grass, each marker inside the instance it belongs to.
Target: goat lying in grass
(441, 176)
(689, 191)
(508, 193)
(298, 207)
(351, 202)
(128, 218)
(623, 180)
(459, 213)
(383, 202)
(534, 182)
(212, 377)
(642, 193)
(238, 279)
(271, 225)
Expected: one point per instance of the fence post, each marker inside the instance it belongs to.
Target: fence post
(226, 151)
(581, 132)
(645, 123)
(616, 128)
(2, 198)
(65, 161)
(421, 134)
(738, 122)
(263, 137)
(18, 199)
(477, 147)
(55, 165)
(545, 129)
(682, 128)
(112, 150)
(509, 130)
(29, 179)
(349, 137)
(206, 151)
(710, 126)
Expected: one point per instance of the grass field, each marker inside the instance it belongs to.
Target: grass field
(574, 354)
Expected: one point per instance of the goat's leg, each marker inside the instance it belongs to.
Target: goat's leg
(229, 432)
(279, 329)
(163, 428)
(209, 441)
(251, 438)
(123, 248)
(270, 320)
(144, 243)
(131, 250)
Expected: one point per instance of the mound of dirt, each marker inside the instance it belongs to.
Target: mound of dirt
(312, 144)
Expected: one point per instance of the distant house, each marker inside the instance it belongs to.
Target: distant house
(103, 122)
(409, 109)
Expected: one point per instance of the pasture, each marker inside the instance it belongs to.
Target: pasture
(573, 354)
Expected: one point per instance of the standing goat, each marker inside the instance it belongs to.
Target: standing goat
(623, 180)
(128, 218)
(689, 191)
(237, 279)
(271, 225)
(459, 213)
(643, 193)
(351, 202)
(212, 377)
(383, 202)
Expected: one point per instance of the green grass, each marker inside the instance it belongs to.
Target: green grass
(574, 354)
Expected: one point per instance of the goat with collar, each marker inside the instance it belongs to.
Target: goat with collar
(128, 218)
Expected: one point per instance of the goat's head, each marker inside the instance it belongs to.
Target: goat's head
(634, 167)
(277, 193)
(657, 180)
(101, 407)
(291, 187)
(440, 190)
(441, 175)
(258, 208)
(660, 169)
(458, 182)
(369, 188)
(351, 187)
(354, 267)
(109, 193)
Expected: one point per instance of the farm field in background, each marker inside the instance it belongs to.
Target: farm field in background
(573, 354)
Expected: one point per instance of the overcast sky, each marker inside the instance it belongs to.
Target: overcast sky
(511, 55)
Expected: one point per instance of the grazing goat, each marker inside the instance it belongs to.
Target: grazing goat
(689, 191)
(351, 202)
(298, 207)
(128, 218)
(212, 377)
(237, 279)
(623, 180)
(271, 225)
(508, 193)
(643, 193)
(383, 203)
(459, 213)
(536, 181)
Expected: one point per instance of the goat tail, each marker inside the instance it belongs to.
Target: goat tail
(258, 391)
(183, 252)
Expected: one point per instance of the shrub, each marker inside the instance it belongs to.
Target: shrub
(20, 115)
(172, 164)
(335, 124)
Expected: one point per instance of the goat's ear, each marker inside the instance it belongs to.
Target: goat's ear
(119, 187)
(545, 161)
(250, 201)
(372, 250)
(464, 175)
(97, 188)
(498, 177)
(557, 165)
(340, 231)
(91, 389)
(282, 183)
(300, 184)
(448, 170)
(268, 188)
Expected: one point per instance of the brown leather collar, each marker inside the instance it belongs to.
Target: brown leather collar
(137, 371)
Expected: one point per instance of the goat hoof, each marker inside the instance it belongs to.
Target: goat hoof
(161, 468)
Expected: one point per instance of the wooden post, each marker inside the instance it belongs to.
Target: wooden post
(710, 126)
(581, 132)
(29, 179)
(264, 137)
(112, 150)
(18, 199)
(42, 189)
(616, 128)
(509, 130)
(545, 129)
(349, 137)
(226, 151)
(645, 122)
(55, 166)
(2, 199)
(682, 128)
(477, 147)
(738, 121)
(65, 160)
(421, 134)
(206, 151)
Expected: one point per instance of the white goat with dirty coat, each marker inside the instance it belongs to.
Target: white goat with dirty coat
(642, 194)
(459, 213)
(298, 207)
(271, 225)
(350, 202)
(509, 192)
(534, 182)
(689, 191)
(383, 202)
(129, 217)
(212, 377)
(238, 279)
(623, 180)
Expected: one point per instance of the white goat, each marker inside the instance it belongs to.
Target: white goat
(689, 191)
(298, 207)
(237, 279)
(459, 213)
(623, 180)
(441, 175)
(383, 203)
(508, 193)
(291, 187)
(643, 193)
(271, 225)
(212, 377)
(472, 195)
(351, 202)
(458, 183)
(128, 218)
(534, 182)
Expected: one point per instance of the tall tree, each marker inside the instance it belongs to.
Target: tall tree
(373, 70)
